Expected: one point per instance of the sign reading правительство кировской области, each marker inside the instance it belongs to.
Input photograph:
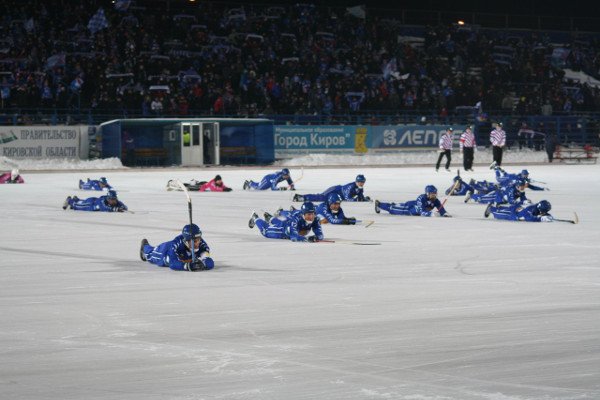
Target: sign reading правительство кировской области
(40, 141)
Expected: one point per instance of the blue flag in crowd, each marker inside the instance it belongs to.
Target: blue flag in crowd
(98, 21)
(57, 60)
(122, 5)
(76, 84)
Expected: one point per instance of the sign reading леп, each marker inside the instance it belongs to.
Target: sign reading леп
(406, 136)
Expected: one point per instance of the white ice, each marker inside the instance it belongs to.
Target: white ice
(445, 308)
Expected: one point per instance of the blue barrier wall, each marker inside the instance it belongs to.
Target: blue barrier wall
(242, 140)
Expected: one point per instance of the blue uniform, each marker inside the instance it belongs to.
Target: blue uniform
(461, 189)
(293, 227)
(93, 185)
(348, 192)
(483, 187)
(175, 254)
(504, 195)
(420, 207)
(484, 198)
(518, 213)
(324, 212)
(510, 195)
(96, 204)
(270, 182)
(504, 178)
(532, 186)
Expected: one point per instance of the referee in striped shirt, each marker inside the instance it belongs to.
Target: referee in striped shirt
(445, 149)
(467, 147)
(498, 140)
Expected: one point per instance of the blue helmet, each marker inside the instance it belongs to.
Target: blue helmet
(334, 198)
(112, 194)
(430, 189)
(360, 178)
(524, 173)
(190, 232)
(103, 180)
(520, 182)
(285, 171)
(544, 207)
(308, 207)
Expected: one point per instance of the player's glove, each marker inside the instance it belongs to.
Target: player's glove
(349, 221)
(227, 189)
(367, 198)
(546, 218)
(283, 188)
(548, 189)
(197, 265)
(447, 215)
(312, 239)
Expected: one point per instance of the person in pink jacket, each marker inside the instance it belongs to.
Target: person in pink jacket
(214, 185)
(11, 177)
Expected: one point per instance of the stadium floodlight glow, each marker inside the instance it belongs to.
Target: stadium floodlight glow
(461, 22)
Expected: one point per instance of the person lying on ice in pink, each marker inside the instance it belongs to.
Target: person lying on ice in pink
(214, 185)
(11, 177)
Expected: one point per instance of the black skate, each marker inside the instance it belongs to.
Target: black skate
(253, 219)
(67, 203)
(487, 211)
(468, 196)
(142, 254)
(268, 217)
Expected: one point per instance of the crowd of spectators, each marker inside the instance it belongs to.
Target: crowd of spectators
(214, 59)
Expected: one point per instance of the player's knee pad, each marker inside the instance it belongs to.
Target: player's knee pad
(208, 263)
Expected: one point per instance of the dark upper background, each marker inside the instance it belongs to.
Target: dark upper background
(572, 8)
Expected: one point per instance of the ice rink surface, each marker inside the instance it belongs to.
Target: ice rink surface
(445, 308)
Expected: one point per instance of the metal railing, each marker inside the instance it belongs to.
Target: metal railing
(72, 116)
(573, 127)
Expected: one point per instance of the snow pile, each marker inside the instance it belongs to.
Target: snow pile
(60, 164)
(423, 157)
